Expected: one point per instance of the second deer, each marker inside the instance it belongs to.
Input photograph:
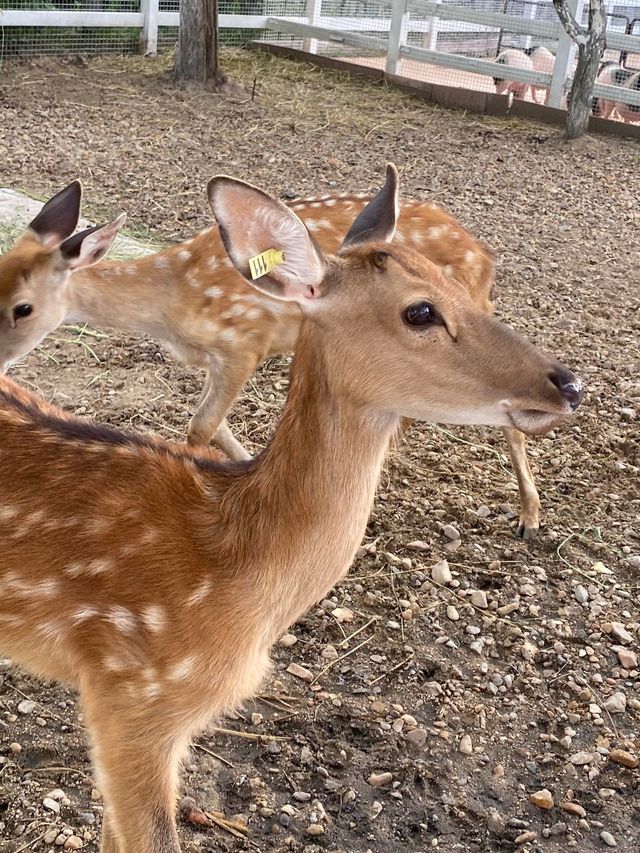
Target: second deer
(191, 299)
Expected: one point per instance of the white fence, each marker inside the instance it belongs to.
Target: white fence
(449, 41)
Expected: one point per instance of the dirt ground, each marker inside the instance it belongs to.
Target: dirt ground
(433, 719)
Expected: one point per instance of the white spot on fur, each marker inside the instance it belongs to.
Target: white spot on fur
(469, 256)
(228, 335)
(330, 202)
(74, 569)
(151, 690)
(199, 594)
(448, 270)
(122, 619)
(184, 254)
(99, 566)
(254, 314)
(154, 617)
(312, 224)
(181, 670)
(234, 311)
(8, 512)
(192, 280)
(161, 263)
(52, 631)
(435, 233)
(83, 613)
(213, 292)
(213, 263)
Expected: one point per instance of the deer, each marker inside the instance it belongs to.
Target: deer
(154, 577)
(192, 299)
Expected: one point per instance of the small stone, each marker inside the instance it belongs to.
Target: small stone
(580, 594)
(418, 545)
(300, 672)
(479, 599)
(50, 837)
(287, 640)
(620, 632)
(256, 718)
(73, 843)
(627, 759)
(342, 614)
(465, 746)
(301, 796)
(526, 837)
(616, 703)
(580, 758)
(418, 737)
(26, 707)
(306, 756)
(452, 533)
(329, 652)
(608, 839)
(495, 822)
(441, 573)
(627, 414)
(315, 829)
(452, 613)
(483, 511)
(628, 658)
(57, 794)
(380, 780)
(543, 799)
(573, 808)
(51, 805)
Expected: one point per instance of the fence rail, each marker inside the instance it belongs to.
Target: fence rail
(391, 33)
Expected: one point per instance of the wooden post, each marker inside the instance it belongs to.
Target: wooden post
(149, 31)
(564, 60)
(314, 8)
(397, 33)
(197, 54)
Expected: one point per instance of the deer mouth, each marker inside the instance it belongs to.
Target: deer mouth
(535, 422)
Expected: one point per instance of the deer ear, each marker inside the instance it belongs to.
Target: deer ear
(252, 224)
(377, 222)
(90, 246)
(58, 218)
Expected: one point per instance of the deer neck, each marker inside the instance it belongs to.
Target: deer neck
(305, 501)
(125, 295)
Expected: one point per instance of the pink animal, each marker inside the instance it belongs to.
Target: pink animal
(514, 59)
(611, 74)
(630, 112)
(543, 60)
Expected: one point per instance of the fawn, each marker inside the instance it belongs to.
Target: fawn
(192, 299)
(155, 578)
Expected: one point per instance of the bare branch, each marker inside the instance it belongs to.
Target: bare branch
(575, 32)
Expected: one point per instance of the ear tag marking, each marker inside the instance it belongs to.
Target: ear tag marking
(262, 264)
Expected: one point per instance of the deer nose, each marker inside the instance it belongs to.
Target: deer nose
(568, 384)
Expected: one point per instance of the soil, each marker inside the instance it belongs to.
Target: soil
(469, 716)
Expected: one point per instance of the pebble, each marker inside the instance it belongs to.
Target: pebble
(418, 737)
(580, 594)
(616, 703)
(627, 414)
(301, 796)
(50, 836)
(479, 599)
(300, 672)
(543, 799)
(526, 837)
(573, 808)
(51, 805)
(465, 746)
(342, 614)
(288, 640)
(452, 613)
(73, 843)
(26, 707)
(452, 533)
(620, 632)
(379, 780)
(627, 759)
(628, 658)
(483, 511)
(315, 829)
(441, 573)
(608, 839)
(580, 758)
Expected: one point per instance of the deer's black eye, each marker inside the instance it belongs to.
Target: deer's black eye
(22, 311)
(419, 314)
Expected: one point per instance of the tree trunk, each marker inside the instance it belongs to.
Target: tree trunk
(591, 46)
(197, 54)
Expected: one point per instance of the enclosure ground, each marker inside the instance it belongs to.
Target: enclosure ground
(470, 708)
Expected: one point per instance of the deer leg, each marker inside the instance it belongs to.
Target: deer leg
(222, 388)
(529, 499)
(136, 756)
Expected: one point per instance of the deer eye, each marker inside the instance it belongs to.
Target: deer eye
(21, 311)
(419, 314)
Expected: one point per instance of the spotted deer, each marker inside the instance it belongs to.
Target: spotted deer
(154, 578)
(191, 298)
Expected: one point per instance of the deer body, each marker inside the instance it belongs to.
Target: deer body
(154, 578)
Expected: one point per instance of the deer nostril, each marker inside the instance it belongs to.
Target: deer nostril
(568, 384)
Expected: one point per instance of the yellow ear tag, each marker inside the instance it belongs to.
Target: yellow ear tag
(262, 264)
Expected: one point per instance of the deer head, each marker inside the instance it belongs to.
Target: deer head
(34, 273)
